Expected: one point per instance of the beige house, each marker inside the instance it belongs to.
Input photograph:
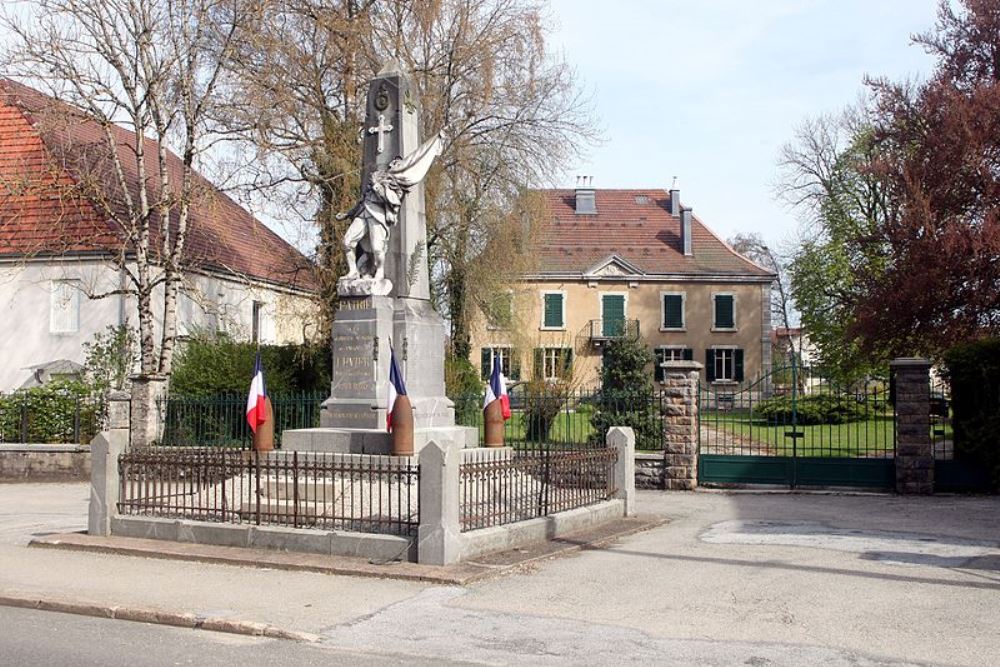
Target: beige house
(617, 261)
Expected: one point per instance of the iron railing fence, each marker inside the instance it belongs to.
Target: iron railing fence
(580, 417)
(499, 487)
(220, 421)
(800, 413)
(353, 492)
(52, 418)
(942, 438)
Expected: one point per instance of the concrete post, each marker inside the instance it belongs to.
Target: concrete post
(104, 451)
(914, 449)
(145, 418)
(439, 535)
(622, 438)
(680, 430)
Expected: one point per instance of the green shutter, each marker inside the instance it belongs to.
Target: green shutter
(710, 365)
(657, 369)
(613, 314)
(485, 362)
(738, 363)
(724, 311)
(554, 311)
(688, 354)
(673, 311)
(515, 364)
(539, 365)
(567, 363)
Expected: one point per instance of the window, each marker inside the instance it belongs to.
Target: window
(724, 364)
(258, 307)
(499, 311)
(673, 311)
(553, 310)
(725, 311)
(64, 306)
(670, 353)
(553, 363)
(510, 364)
(612, 314)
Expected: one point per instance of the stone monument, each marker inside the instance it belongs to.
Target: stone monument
(385, 296)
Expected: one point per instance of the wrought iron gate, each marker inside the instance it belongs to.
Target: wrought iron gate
(796, 428)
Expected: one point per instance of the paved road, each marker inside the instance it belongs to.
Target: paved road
(28, 510)
(760, 579)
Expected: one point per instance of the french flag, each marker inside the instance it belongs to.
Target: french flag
(396, 388)
(257, 399)
(497, 390)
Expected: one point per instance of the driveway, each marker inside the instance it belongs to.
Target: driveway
(732, 578)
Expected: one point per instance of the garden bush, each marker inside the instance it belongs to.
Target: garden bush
(812, 409)
(973, 369)
(543, 401)
(463, 386)
(626, 397)
(61, 412)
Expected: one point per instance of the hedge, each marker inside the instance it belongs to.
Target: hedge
(973, 369)
(811, 409)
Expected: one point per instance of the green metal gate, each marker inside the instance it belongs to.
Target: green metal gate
(795, 428)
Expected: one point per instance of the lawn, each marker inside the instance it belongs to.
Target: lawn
(736, 432)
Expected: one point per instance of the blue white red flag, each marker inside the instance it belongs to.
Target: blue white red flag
(497, 390)
(256, 403)
(396, 388)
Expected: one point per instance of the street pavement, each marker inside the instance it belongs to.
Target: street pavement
(732, 578)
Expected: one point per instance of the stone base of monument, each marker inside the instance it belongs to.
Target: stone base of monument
(374, 440)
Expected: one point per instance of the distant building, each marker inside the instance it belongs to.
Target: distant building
(57, 248)
(614, 261)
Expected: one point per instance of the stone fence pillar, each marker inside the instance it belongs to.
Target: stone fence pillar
(439, 534)
(914, 449)
(622, 439)
(680, 429)
(145, 415)
(104, 451)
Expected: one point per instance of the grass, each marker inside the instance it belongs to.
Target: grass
(736, 432)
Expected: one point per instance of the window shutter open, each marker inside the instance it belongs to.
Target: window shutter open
(724, 311)
(710, 365)
(538, 368)
(688, 354)
(657, 369)
(673, 311)
(553, 310)
(485, 362)
(515, 365)
(567, 365)
(738, 365)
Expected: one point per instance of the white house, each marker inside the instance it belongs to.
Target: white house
(56, 253)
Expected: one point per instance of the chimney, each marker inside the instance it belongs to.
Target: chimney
(586, 196)
(686, 216)
(675, 198)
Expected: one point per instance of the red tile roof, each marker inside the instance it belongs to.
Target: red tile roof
(637, 226)
(51, 157)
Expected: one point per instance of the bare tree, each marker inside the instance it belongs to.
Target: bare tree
(753, 247)
(154, 68)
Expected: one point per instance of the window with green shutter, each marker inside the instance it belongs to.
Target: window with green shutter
(612, 314)
(725, 317)
(673, 311)
(669, 354)
(552, 318)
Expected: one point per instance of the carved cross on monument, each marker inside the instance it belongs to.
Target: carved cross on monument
(381, 130)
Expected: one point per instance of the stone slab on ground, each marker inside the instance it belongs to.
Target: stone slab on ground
(459, 574)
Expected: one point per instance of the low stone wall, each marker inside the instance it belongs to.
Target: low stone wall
(649, 470)
(44, 463)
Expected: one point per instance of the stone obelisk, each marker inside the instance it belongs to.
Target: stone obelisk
(366, 324)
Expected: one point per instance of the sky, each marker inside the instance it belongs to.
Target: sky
(709, 90)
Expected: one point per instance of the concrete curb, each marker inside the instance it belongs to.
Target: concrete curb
(157, 616)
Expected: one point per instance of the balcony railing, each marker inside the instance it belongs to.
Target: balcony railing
(606, 329)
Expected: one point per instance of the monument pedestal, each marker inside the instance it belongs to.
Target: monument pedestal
(374, 441)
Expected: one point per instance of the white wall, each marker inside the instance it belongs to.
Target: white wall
(210, 302)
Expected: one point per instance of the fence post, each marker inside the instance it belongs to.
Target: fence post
(914, 448)
(145, 417)
(680, 424)
(622, 439)
(104, 473)
(439, 533)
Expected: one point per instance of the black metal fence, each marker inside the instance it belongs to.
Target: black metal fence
(499, 486)
(51, 418)
(220, 421)
(942, 438)
(354, 492)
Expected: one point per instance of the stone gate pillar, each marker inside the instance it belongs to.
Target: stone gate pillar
(914, 450)
(146, 420)
(680, 424)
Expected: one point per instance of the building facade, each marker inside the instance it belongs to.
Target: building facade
(63, 263)
(620, 261)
